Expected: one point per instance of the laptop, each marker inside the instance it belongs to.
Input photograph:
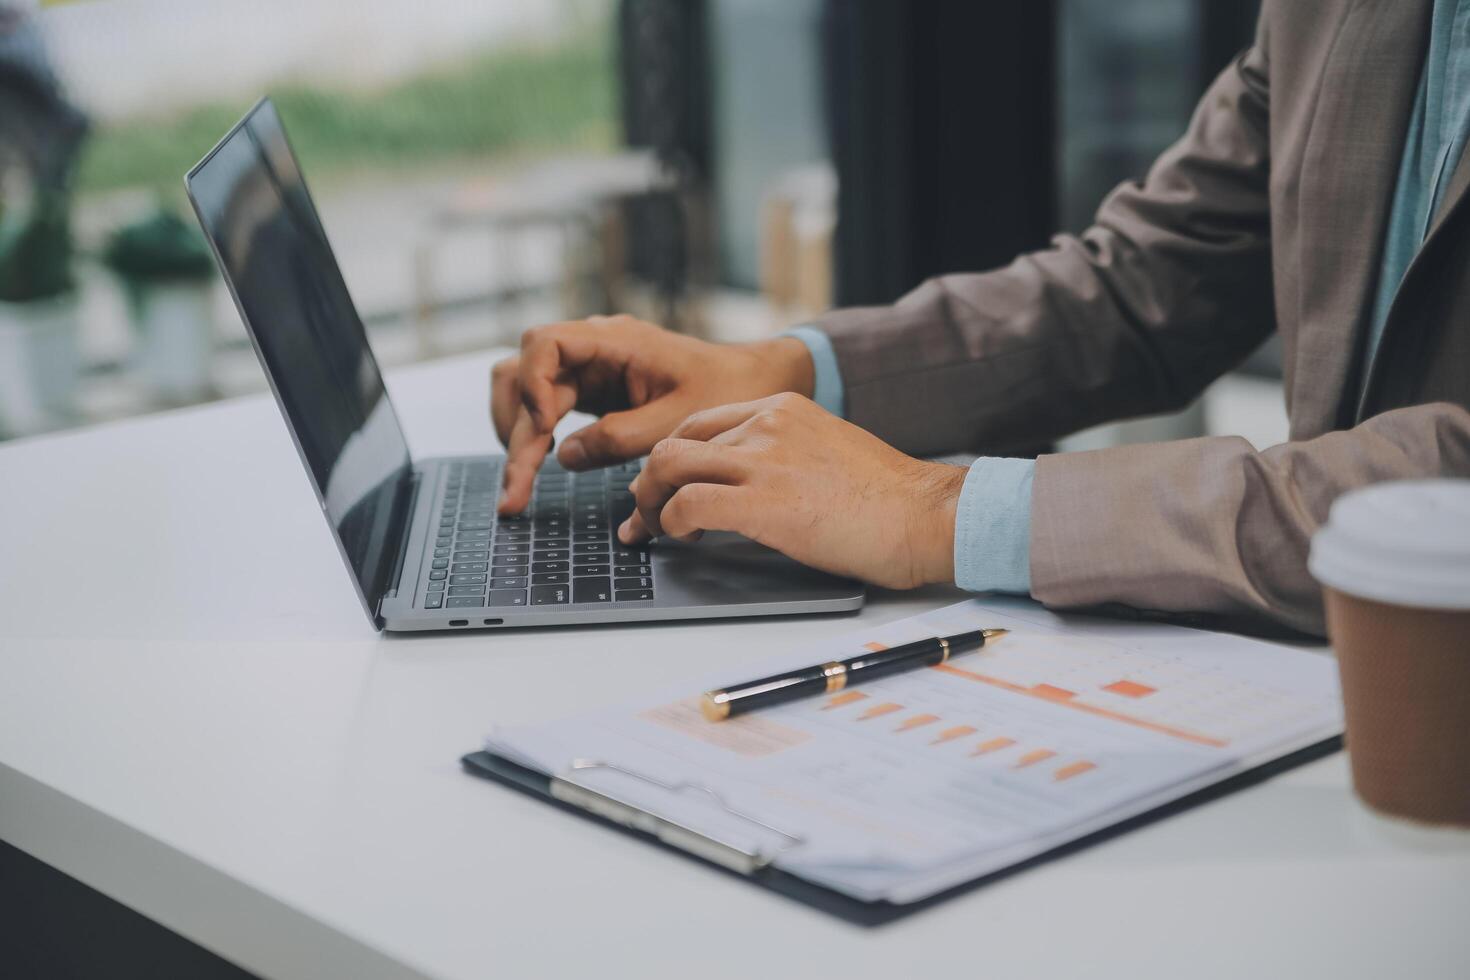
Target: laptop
(420, 537)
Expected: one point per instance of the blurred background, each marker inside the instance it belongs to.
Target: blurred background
(724, 167)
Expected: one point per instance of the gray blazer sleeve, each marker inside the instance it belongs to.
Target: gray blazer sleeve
(1169, 289)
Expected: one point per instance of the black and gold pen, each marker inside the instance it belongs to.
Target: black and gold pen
(834, 676)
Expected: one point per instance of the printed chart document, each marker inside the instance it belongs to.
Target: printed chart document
(901, 788)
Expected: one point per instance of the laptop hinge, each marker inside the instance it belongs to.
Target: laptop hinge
(391, 586)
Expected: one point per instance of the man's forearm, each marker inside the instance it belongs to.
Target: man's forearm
(1211, 525)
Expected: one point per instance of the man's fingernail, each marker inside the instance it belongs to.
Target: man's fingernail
(625, 532)
(573, 453)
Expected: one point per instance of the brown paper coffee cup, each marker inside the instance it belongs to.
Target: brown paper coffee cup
(1394, 560)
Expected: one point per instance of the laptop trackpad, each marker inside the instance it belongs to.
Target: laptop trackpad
(723, 567)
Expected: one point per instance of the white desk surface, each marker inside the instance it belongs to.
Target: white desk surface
(197, 719)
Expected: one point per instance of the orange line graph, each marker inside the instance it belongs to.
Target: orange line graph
(879, 710)
(917, 721)
(1153, 726)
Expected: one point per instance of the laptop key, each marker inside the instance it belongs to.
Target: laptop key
(552, 554)
(467, 590)
(471, 555)
(549, 595)
(586, 537)
(438, 574)
(515, 548)
(592, 590)
(436, 586)
(467, 579)
(441, 552)
(592, 570)
(434, 600)
(465, 601)
(549, 578)
(441, 562)
(470, 566)
(508, 582)
(508, 597)
(634, 595)
(631, 570)
(590, 547)
(542, 567)
(631, 556)
(512, 559)
(640, 582)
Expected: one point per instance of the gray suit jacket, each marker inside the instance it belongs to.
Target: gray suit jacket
(1269, 214)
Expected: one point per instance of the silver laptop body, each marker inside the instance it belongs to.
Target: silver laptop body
(421, 539)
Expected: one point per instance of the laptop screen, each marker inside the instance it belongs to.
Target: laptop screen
(254, 206)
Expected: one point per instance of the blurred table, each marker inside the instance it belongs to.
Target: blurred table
(197, 720)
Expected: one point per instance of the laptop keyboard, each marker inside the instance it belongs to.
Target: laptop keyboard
(563, 549)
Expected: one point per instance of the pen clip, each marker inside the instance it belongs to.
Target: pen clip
(722, 852)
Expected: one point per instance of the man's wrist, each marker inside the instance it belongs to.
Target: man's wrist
(932, 525)
(788, 364)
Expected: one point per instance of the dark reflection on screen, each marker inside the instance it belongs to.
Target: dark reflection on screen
(255, 207)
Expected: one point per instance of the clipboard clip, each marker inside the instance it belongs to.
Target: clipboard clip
(744, 860)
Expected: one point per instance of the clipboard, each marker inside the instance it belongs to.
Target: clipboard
(726, 859)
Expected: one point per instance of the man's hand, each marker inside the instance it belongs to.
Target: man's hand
(641, 379)
(786, 473)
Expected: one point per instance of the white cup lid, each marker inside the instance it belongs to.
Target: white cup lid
(1405, 543)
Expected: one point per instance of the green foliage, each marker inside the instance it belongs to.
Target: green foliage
(36, 252)
(546, 97)
(162, 247)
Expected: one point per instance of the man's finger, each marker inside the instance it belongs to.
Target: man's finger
(548, 352)
(522, 461)
(505, 397)
(699, 507)
(711, 422)
(676, 462)
(619, 436)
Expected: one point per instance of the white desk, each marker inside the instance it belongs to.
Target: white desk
(197, 720)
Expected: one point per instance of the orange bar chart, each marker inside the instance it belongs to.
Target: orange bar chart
(1075, 769)
(1130, 689)
(994, 745)
(1052, 692)
(1033, 757)
(1072, 702)
(845, 698)
(950, 734)
(879, 710)
(917, 721)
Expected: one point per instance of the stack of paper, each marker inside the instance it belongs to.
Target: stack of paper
(901, 788)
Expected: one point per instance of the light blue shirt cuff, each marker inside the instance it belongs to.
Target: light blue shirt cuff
(827, 388)
(992, 533)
